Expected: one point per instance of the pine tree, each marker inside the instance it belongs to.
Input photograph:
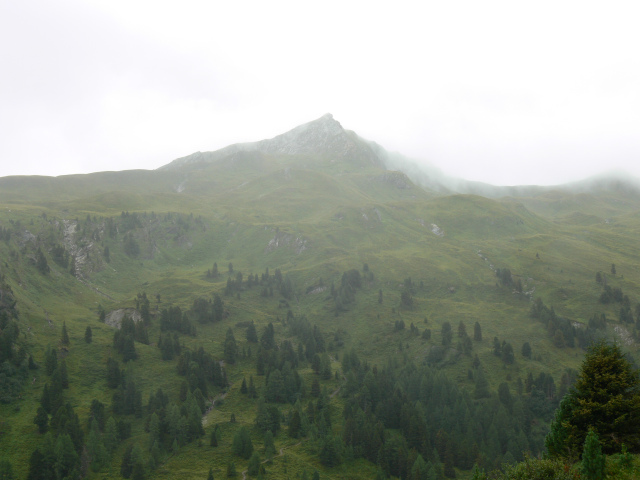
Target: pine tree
(213, 439)
(269, 446)
(252, 388)
(482, 386)
(295, 424)
(50, 360)
(252, 334)
(95, 447)
(593, 462)
(88, 335)
(66, 457)
(253, 467)
(210, 476)
(110, 436)
(230, 348)
(605, 397)
(41, 262)
(64, 338)
(477, 332)
(42, 420)
(242, 445)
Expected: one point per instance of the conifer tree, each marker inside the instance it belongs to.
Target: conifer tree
(213, 439)
(110, 436)
(253, 467)
(252, 388)
(230, 348)
(605, 397)
(252, 334)
(50, 360)
(95, 447)
(477, 332)
(210, 476)
(592, 458)
(88, 335)
(64, 338)
(42, 420)
(269, 446)
(66, 458)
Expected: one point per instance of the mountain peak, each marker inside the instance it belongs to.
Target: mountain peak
(322, 138)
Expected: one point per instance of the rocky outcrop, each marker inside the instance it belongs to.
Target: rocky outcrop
(114, 318)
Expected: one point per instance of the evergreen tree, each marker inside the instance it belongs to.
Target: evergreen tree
(66, 458)
(230, 348)
(462, 329)
(110, 436)
(477, 332)
(61, 375)
(295, 424)
(526, 350)
(42, 420)
(231, 469)
(50, 360)
(213, 439)
(252, 334)
(593, 462)
(210, 476)
(95, 447)
(252, 388)
(605, 397)
(41, 262)
(253, 467)
(242, 445)
(330, 451)
(269, 446)
(64, 338)
(507, 354)
(482, 386)
(88, 335)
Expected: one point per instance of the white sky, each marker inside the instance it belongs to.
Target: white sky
(503, 92)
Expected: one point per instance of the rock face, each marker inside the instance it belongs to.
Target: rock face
(114, 318)
(322, 138)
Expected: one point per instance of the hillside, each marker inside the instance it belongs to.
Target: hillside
(384, 306)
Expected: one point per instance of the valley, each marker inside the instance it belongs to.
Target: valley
(344, 319)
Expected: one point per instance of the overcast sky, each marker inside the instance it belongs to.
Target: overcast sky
(503, 92)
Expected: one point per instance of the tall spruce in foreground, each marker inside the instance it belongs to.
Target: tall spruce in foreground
(605, 398)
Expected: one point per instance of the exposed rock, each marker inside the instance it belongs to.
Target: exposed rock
(298, 244)
(317, 290)
(114, 317)
(437, 230)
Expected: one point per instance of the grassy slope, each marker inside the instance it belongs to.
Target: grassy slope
(348, 216)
